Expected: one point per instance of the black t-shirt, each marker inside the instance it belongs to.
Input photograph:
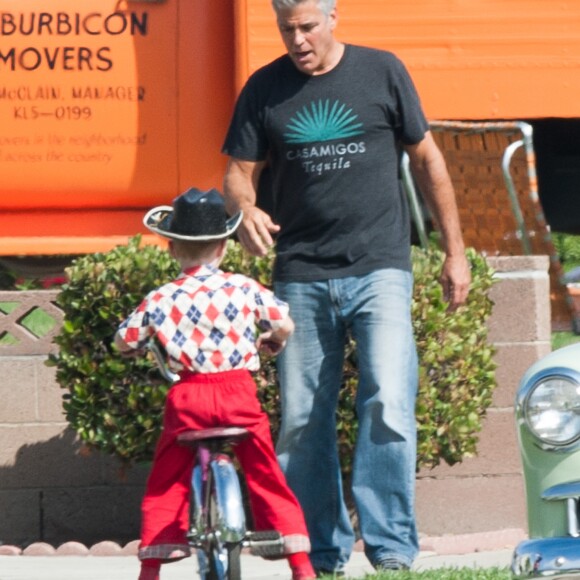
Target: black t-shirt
(332, 144)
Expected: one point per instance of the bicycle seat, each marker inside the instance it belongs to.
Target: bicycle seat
(223, 433)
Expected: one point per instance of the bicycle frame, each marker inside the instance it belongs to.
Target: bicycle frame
(217, 517)
(215, 468)
(217, 527)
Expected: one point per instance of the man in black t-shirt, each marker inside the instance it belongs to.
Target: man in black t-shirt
(330, 120)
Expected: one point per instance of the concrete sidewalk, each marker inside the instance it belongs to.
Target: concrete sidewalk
(253, 568)
(110, 561)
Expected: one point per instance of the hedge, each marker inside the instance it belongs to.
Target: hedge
(115, 403)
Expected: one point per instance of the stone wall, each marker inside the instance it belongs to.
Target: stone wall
(486, 492)
(51, 491)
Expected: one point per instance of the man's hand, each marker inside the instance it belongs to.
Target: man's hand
(255, 231)
(455, 279)
(431, 173)
(240, 183)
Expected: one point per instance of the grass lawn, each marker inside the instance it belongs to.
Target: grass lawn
(560, 339)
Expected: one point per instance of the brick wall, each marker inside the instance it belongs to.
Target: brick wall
(51, 491)
(486, 492)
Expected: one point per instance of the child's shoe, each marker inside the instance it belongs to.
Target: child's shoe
(149, 572)
(303, 572)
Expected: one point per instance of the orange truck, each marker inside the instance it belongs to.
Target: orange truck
(108, 107)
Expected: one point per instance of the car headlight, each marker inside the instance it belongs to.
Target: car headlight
(551, 409)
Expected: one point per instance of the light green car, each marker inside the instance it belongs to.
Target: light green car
(548, 423)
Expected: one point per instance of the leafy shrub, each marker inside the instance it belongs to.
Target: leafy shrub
(7, 278)
(568, 248)
(115, 404)
(457, 371)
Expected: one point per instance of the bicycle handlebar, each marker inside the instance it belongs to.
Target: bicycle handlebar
(160, 360)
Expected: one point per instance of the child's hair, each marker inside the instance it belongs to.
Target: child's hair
(194, 250)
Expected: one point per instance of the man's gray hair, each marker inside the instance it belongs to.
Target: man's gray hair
(327, 6)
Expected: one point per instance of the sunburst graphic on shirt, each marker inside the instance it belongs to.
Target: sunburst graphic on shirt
(322, 121)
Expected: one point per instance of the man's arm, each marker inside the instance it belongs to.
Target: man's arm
(430, 171)
(240, 186)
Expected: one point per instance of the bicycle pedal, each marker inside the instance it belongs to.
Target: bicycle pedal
(269, 544)
(265, 536)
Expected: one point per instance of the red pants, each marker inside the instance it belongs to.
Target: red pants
(201, 401)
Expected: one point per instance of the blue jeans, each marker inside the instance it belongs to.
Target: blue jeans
(375, 308)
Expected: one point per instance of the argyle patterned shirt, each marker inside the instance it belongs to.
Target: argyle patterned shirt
(206, 320)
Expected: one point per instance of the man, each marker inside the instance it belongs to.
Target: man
(329, 120)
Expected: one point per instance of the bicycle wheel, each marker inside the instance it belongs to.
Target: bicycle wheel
(234, 564)
(216, 564)
(223, 559)
(224, 563)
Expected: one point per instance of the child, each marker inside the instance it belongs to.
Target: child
(206, 320)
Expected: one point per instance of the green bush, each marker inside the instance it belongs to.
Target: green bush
(568, 248)
(115, 403)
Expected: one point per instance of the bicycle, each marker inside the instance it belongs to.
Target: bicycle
(217, 523)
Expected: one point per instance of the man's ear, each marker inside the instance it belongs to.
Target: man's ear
(333, 18)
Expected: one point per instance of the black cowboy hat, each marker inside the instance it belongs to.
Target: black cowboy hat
(195, 215)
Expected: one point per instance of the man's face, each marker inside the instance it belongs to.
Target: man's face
(308, 36)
